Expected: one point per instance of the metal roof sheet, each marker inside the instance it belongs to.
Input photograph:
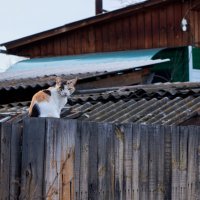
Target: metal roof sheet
(98, 62)
(169, 108)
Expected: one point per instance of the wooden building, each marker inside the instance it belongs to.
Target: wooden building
(151, 24)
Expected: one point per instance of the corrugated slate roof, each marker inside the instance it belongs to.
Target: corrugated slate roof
(167, 104)
(44, 81)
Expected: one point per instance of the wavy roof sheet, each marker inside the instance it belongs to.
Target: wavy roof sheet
(169, 104)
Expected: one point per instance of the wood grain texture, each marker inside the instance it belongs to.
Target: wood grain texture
(15, 161)
(68, 159)
(33, 156)
(6, 131)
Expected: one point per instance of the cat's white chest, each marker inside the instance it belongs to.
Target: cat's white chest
(53, 107)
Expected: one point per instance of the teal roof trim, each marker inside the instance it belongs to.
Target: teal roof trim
(72, 61)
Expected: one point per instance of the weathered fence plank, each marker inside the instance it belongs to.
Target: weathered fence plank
(107, 163)
(110, 161)
(136, 161)
(153, 165)
(183, 162)
(128, 152)
(15, 161)
(33, 159)
(102, 132)
(6, 131)
(144, 186)
(160, 152)
(192, 164)
(93, 162)
(53, 158)
(68, 159)
(77, 162)
(59, 162)
(175, 163)
(84, 145)
(167, 162)
(119, 159)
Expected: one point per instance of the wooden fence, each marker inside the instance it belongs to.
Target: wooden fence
(69, 159)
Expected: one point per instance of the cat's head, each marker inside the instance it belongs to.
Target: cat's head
(65, 88)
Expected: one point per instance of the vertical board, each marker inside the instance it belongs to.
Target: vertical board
(141, 31)
(185, 35)
(6, 131)
(77, 42)
(105, 38)
(59, 165)
(77, 162)
(177, 28)
(133, 32)
(93, 162)
(128, 161)
(102, 161)
(119, 158)
(136, 161)
(175, 163)
(183, 161)
(168, 162)
(163, 27)
(156, 28)
(153, 165)
(160, 147)
(84, 160)
(50, 47)
(196, 32)
(170, 25)
(119, 41)
(15, 161)
(84, 40)
(33, 158)
(148, 29)
(126, 34)
(112, 36)
(69, 129)
(44, 49)
(57, 48)
(63, 44)
(110, 164)
(192, 180)
(144, 163)
(105, 161)
(70, 43)
(98, 38)
(91, 39)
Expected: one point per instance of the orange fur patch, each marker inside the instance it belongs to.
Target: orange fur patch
(38, 97)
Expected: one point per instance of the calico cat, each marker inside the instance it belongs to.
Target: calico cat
(49, 102)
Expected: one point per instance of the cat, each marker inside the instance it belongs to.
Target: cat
(49, 102)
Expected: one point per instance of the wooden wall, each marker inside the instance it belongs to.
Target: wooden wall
(69, 159)
(151, 28)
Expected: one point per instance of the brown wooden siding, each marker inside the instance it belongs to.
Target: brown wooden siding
(152, 28)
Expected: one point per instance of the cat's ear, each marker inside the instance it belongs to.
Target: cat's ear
(58, 81)
(72, 81)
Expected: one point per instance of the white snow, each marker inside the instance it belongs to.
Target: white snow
(7, 60)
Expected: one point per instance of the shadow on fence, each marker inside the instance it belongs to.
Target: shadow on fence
(69, 159)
